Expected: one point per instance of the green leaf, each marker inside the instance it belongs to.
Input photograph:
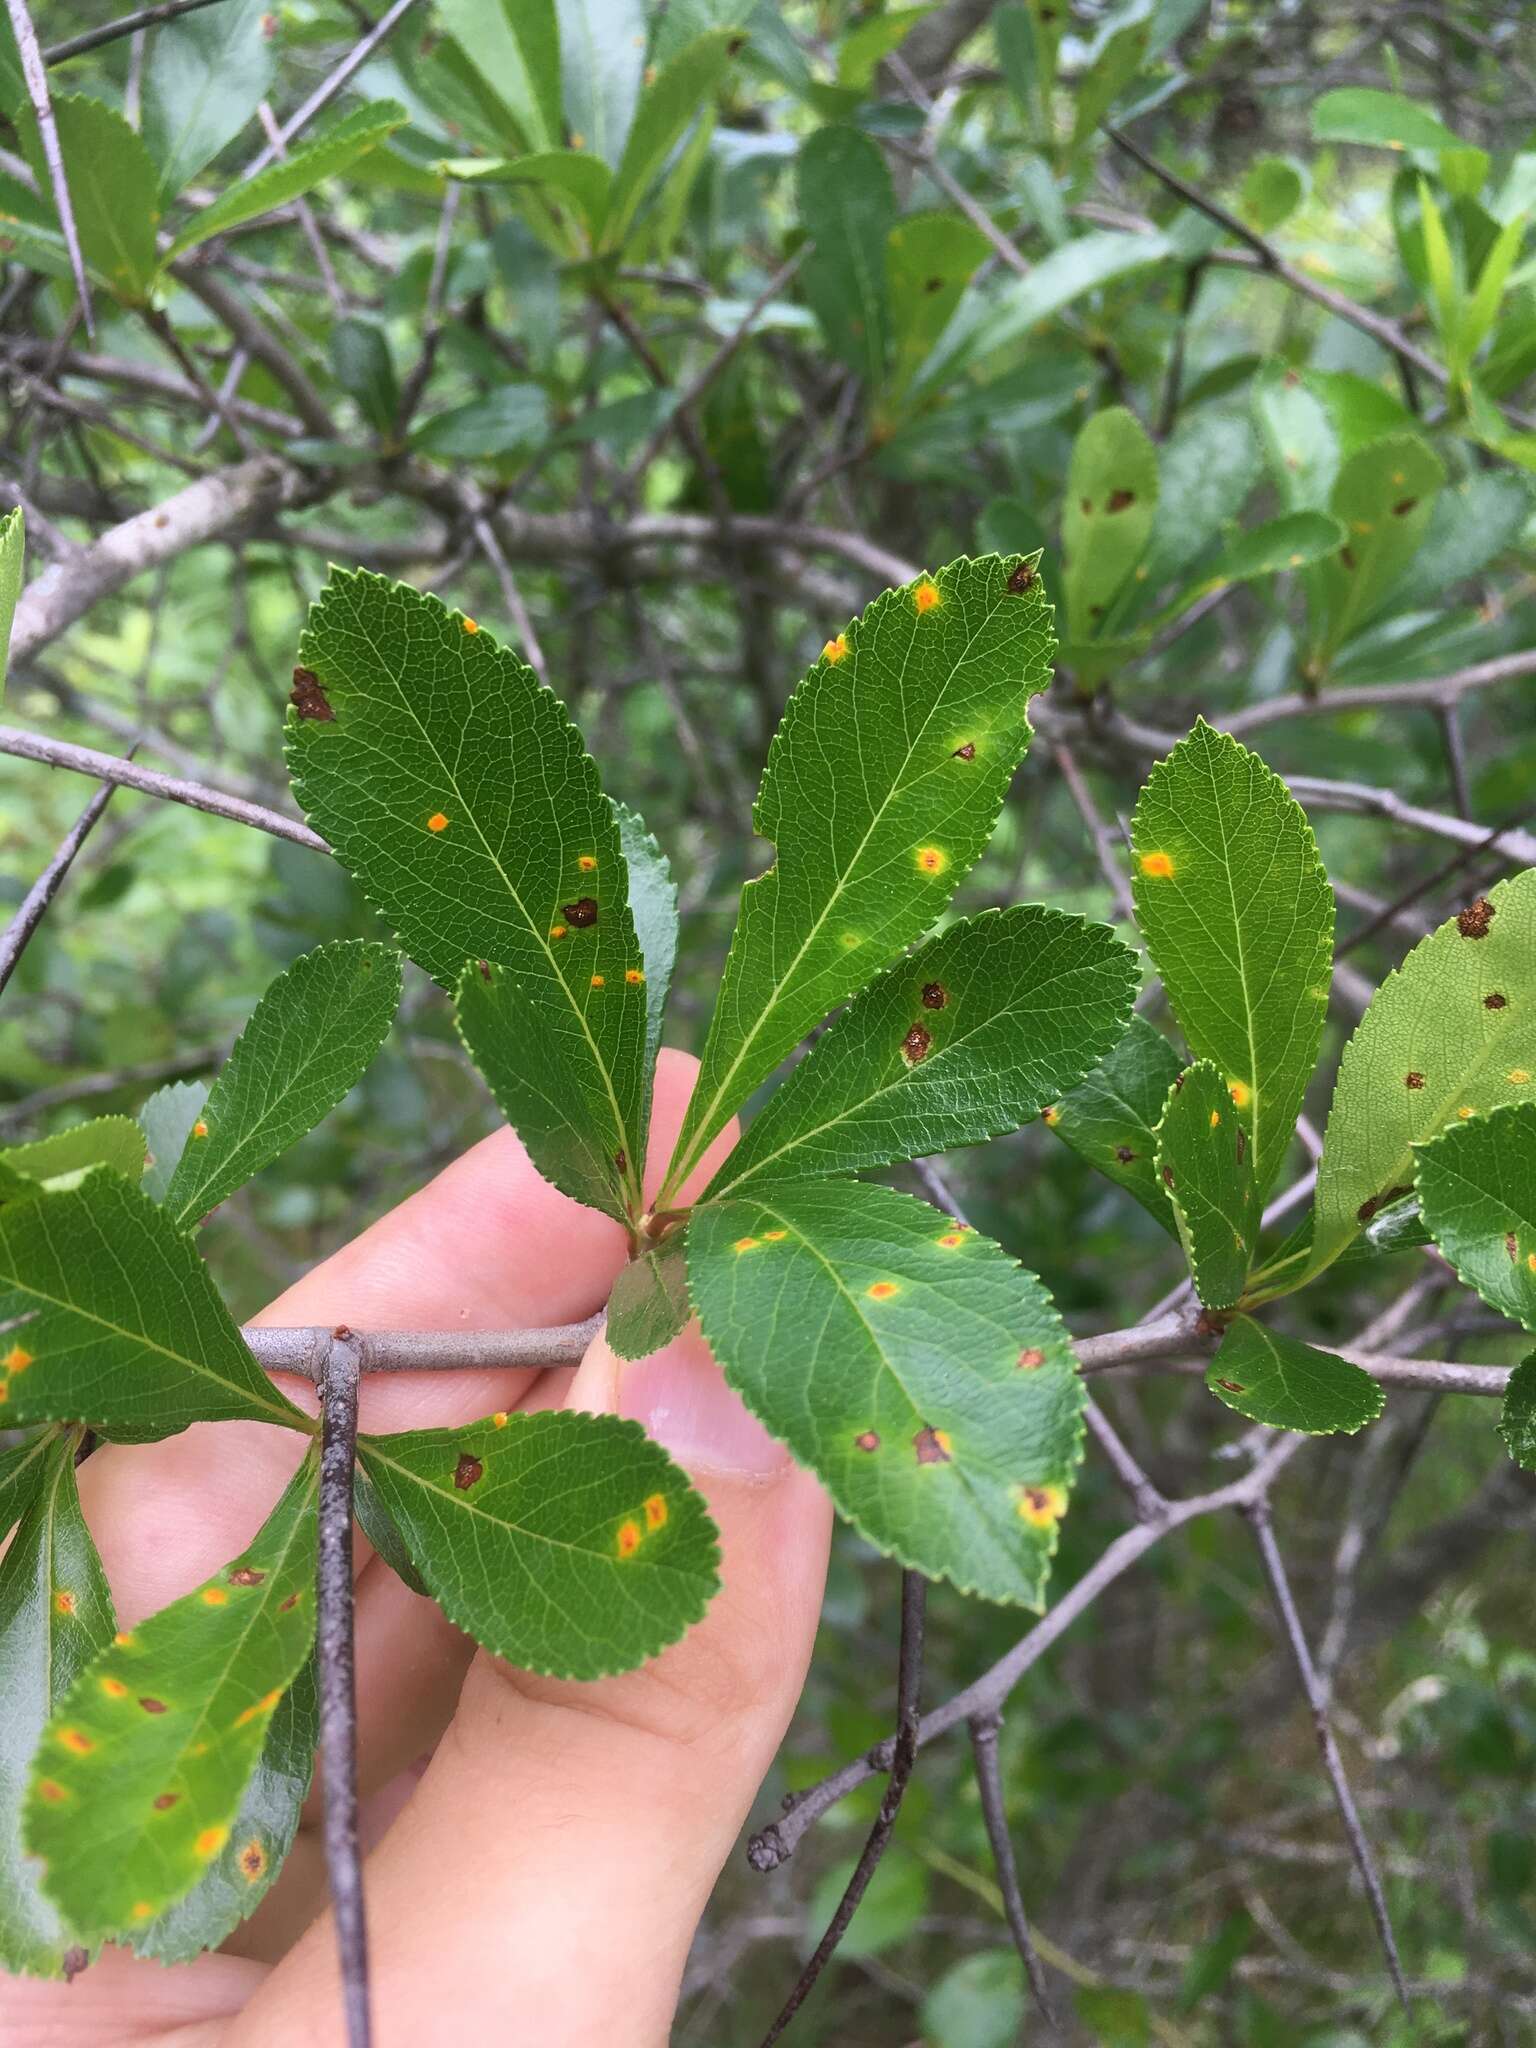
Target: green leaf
(515, 46)
(112, 190)
(890, 1910)
(1116, 64)
(55, 1615)
(848, 209)
(204, 79)
(929, 260)
(1439, 1043)
(1086, 263)
(22, 1466)
(144, 1766)
(1111, 1118)
(912, 1364)
(649, 1303)
(964, 1039)
(584, 180)
(1107, 516)
(513, 418)
(64, 1159)
(454, 786)
(869, 42)
(1477, 1193)
(1270, 193)
(653, 905)
(234, 1884)
(1204, 1163)
(570, 1544)
(13, 548)
(1293, 541)
(364, 369)
(310, 1040)
(979, 2001)
(1207, 469)
(1517, 1419)
(1238, 917)
(295, 174)
(1299, 438)
(1386, 119)
(1383, 499)
(665, 109)
(602, 60)
(166, 1121)
(112, 1318)
(883, 784)
(1278, 1380)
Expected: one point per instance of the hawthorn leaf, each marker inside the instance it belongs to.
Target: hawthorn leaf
(1441, 1042)
(1299, 436)
(602, 45)
(929, 260)
(1278, 1380)
(1389, 120)
(515, 47)
(234, 1884)
(1384, 497)
(960, 1041)
(1107, 516)
(1238, 917)
(22, 1465)
(166, 1120)
(584, 180)
(921, 1372)
(13, 549)
(1293, 541)
(309, 1042)
(145, 1764)
(456, 789)
(110, 1317)
(653, 906)
(1477, 1193)
(293, 175)
(665, 108)
(883, 784)
(1205, 1164)
(112, 190)
(204, 78)
(569, 1543)
(649, 1302)
(55, 1615)
(66, 1157)
(1110, 1119)
(848, 209)
(1517, 1418)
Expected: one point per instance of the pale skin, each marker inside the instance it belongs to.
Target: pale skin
(541, 1852)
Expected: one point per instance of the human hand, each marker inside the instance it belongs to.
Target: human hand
(539, 1879)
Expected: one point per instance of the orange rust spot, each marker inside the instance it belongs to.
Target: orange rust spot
(633, 976)
(926, 595)
(51, 1790)
(1530, 1260)
(557, 931)
(1031, 1359)
(211, 1841)
(1158, 865)
(882, 1290)
(1519, 1076)
(214, 1596)
(114, 1688)
(629, 1538)
(1050, 1114)
(932, 860)
(123, 1642)
(63, 1602)
(745, 1244)
(1215, 1118)
(200, 1129)
(598, 981)
(499, 1419)
(438, 822)
(950, 1239)
(77, 1743)
(1042, 1506)
(16, 1360)
(656, 1511)
(142, 1910)
(1240, 1093)
(471, 626)
(587, 862)
(1465, 1111)
(252, 1860)
(835, 649)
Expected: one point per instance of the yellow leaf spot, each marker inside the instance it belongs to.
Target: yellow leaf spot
(1158, 865)
(1465, 1111)
(51, 1790)
(633, 976)
(1240, 1093)
(1530, 1260)
(438, 822)
(1295, 561)
(200, 1129)
(471, 626)
(1042, 1506)
(214, 1596)
(744, 1244)
(114, 1688)
(835, 649)
(932, 860)
(1361, 526)
(143, 1910)
(926, 595)
(1050, 1114)
(499, 1419)
(16, 1360)
(656, 1511)
(598, 981)
(211, 1841)
(72, 1739)
(882, 1290)
(64, 1603)
(774, 1236)
(951, 1238)
(123, 1642)
(557, 931)
(629, 1538)
(1399, 476)
(579, 141)
(586, 862)
(1519, 1076)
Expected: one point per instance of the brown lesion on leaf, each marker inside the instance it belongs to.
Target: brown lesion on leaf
(166, 1801)
(1403, 507)
(917, 1045)
(581, 913)
(1022, 580)
(1031, 1358)
(965, 752)
(933, 284)
(932, 1446)
(1242, 1144)
(1232, 1386)
(1120, 501)
(291, 1602)
(1413, 1080)
(246, 1575)
(867, 1440)
(1167, 1176)
(1367, 1209)
(251, 1861)
(152, 1706)
(1496, 1002)
(1124, 1154)
(1511, 1247)
(1473, 922)
(1347, 557)
(935, 995)
(467, 1472)
(485, 969)
(308, 699)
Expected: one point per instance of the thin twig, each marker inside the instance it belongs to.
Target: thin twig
(36, 77)
(29, 913)
(1258, 1517)
(511, 596)
(989, 1783)
(126, 25)
(914, 1596)
(335, 1654)
(328, 88)
(304, 1350)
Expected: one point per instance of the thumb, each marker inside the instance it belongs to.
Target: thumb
(546, 1879)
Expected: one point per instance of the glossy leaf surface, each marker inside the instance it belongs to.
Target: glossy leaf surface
(1278, 1380)
(1205, 1164)
(1111, 1118)
(1477, 1192)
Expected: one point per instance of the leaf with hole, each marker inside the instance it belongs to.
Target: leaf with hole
(145, 1763)
(1477, 1192)
(456, 789)
(1278, 1380)
(310, 1040)
(883, 784)
(963, 1039)
(919, 1371)
(1238, 917)
(568, 1543)
(1205, 1164)
(110, 1317)
(1110, 1119)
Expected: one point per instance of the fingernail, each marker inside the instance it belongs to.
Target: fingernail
(684, 1403)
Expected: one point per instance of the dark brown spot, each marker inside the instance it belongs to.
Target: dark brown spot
(153, 1706)
(1473, 922)
(929, 1448)
(1510, 1246)
(1367, 1209)
(1210, 1323)
(342, 1333)
(291, 1602)
(1031, 1359)
(247, 1575)
(1022, 579)
(307, 697)
(868, 1441)
(621, 1161)
(1291, 379)
(485, 969)
(1414, 1080)
(467, 1472)
(1124, 1154)
(1167, 1176)
(965, 753)
(582, 912)
(934, 284)
(253, 1860)
(1404, 506)
(166, 1801)
(1495, 1002)
(1347, 557)
(1120, 501)
(1242, 1144)
(935, 995)
(917, 1044)
(1086, 508)
(1178, 1081)
(735, 46)
(73, 1962)
(1232, 1386)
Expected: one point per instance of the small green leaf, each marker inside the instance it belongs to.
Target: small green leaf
(64, 1159)
(653, 905)
(870, 41)
(1111, 1118)
(1238, 916)
(1208, 468)
(166, 1121)
(964, 1039)
(1085, 264)
(568, 1543)
(1293, 541)
(979, 2001)
(455, 788)
(1300, 440)
(929, 260)
(1108, 515)
(1204, 1163)
(310, 1040)
(1278, 1380)
(110, 1317)
(1270, 193)
(365, 370)
(883, 785)
(649, 1303)
(1477, 1192)
(1386, 119)
(55, 1615)
(602, 63)
(1383, 499)
(1517, 1419)
(515, 46)
(911, 1363)
(665, 109)
(848, 209)
(13, 549)
(512, 419)
(1440, 1042)
(143, 1769)
(585, 181)
(295, 174)
(112, 190)
(205, 76)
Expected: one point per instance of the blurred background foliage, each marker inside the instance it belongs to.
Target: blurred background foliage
(972, 315)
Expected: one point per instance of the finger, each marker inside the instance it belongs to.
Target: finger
(573, 1832)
